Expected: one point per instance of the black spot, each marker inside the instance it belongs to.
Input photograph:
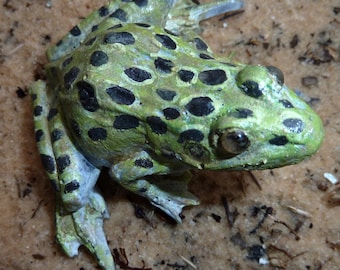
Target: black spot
(166, 41)
(66, 62)
(140, 3)
(75, 128)
(119, 14)
(166, 94)
(140, 213)
(90, 41)
(171, 113)
(200, 44)
(120, 95)
(163, 65)
(190, 135)
(242, 113)
(144, 163)
(53, 112)
(116, 26)
(212, 77)
(98, 58)
(185, 75)
(70, 76)
(279, 140)
(145, 25)
(294, 125)
(34, 96)
(38, 135)
(205, 56)
(200, 106)
(170, 32)
(87, 96)
(103, 11)
(55, 185)
(125, 121)
(251, 88)
(94, 28)
(48, 163)
(63, 162)
(124, 38)
(56, 135)
(286, 103)
(75, 31)
(228, 64)
(137, 74)
(157, 125)
(72, 186)
(37, 110)
(97, 134)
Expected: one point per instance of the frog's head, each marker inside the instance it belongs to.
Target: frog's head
(265, 125)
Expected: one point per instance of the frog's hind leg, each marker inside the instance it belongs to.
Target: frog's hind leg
(109, 15)
(185, 15)
(80, 208)
(80, 32)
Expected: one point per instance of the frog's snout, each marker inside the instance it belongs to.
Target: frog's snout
(305, 130)
(314, 133)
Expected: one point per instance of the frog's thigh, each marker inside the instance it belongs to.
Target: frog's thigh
(77, 176)
(72, 176)
(82, 222)
(40, 99)
(170, 194)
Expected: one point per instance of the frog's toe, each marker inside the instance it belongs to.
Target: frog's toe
(85, 227)
(171, 196)
(172, 205)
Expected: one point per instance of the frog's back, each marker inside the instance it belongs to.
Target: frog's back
(135, 83)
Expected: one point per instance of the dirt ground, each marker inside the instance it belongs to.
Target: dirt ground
(287, 218)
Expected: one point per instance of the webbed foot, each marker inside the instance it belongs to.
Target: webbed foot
(169, 193)
(169, 197)
(85, 227)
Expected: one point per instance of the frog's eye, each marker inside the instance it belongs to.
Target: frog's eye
(234, 142)
(277, 73)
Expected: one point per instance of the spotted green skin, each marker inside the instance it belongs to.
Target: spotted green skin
(124, 93)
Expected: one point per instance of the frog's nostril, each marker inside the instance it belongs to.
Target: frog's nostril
(286, 103)
(279, 140)
(294, 125)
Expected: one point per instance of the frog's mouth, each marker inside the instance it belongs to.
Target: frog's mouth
(265, 158)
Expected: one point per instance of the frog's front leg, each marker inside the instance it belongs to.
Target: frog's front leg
(169, 193)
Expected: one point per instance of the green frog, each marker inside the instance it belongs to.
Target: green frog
(133, 88)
